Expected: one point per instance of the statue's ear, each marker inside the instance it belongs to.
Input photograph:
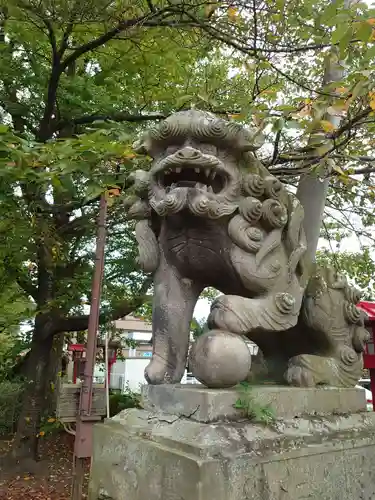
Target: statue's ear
(139, 146)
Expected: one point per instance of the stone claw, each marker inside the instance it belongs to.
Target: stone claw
(159, 372)
(223, 315)
(299, 376)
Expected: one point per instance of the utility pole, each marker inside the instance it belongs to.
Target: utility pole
(85, 420)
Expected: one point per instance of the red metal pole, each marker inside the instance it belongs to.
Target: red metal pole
(85, 421)
(372, 370)
(372, 386)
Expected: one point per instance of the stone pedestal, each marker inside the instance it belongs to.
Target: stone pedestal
(190, 443)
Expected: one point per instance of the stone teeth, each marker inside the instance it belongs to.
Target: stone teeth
(213, 175)
(197, 170)
(201, 186)
(173, 186)
(178, 170)
(207, 171)
(204, 187)
(210, 190)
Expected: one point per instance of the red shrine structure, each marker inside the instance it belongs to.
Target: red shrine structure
(369, 354)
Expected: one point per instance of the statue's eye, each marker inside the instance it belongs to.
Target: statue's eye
(172, 149)
(208, 149)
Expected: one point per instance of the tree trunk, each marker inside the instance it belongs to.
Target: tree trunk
(312, 190)
(54, 374)
(25, 445)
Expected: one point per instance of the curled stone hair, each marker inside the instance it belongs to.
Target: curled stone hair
(202, 126)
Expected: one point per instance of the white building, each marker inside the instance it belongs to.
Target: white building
(129, 371)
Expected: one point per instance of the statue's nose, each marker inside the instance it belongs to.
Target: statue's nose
(188, 153)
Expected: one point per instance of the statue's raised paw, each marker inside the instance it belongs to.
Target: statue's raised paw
(242, 315)
(227, 313)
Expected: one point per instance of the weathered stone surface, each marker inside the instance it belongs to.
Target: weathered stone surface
(141, 456)
(220, 359)
(211, 405)
(210, 214)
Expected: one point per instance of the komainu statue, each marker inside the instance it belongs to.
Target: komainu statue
(210, 214)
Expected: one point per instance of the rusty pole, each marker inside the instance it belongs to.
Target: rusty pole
(85, 421)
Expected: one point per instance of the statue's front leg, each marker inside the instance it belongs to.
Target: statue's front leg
(173, 306)
(273, 312)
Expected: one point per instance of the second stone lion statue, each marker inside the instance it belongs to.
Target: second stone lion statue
(210, 214)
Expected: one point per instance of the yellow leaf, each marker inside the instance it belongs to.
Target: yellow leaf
(52, 385)
(257, 120)
(210, 9)
(371, 21)
(327, 126)
(51, 420)
(372, 100)
(113, 192)
(339, 170)
(344, 179)
(41, 433)
(59, 374)
(236, 116)
(232, 13)
(27, 419)
(341, 90)
(304, 111)
(26, 478)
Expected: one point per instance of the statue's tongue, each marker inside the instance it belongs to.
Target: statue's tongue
(186, 183)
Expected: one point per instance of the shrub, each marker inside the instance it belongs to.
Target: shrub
(10, 405)
(121, 401)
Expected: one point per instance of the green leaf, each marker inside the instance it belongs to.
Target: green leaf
(329, 12)
(293, 124)
(340, 32)
(278, 125)
(184, 99)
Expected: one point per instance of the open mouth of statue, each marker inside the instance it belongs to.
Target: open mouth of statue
(206, 179)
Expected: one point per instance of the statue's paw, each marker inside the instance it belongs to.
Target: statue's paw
(299, 377)
(227, 314)
(298, 374)
(159, 372)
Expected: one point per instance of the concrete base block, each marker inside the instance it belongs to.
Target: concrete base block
(151, 455)
(196, 402)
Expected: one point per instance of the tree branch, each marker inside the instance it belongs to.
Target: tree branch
(80, 323)
(21, 279)
(350, 123)
(127, 117)
(109, 35)
(65, 38)
(151, 6)
(116, 117)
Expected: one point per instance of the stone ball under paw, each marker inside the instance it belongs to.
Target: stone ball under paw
(220, 359)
